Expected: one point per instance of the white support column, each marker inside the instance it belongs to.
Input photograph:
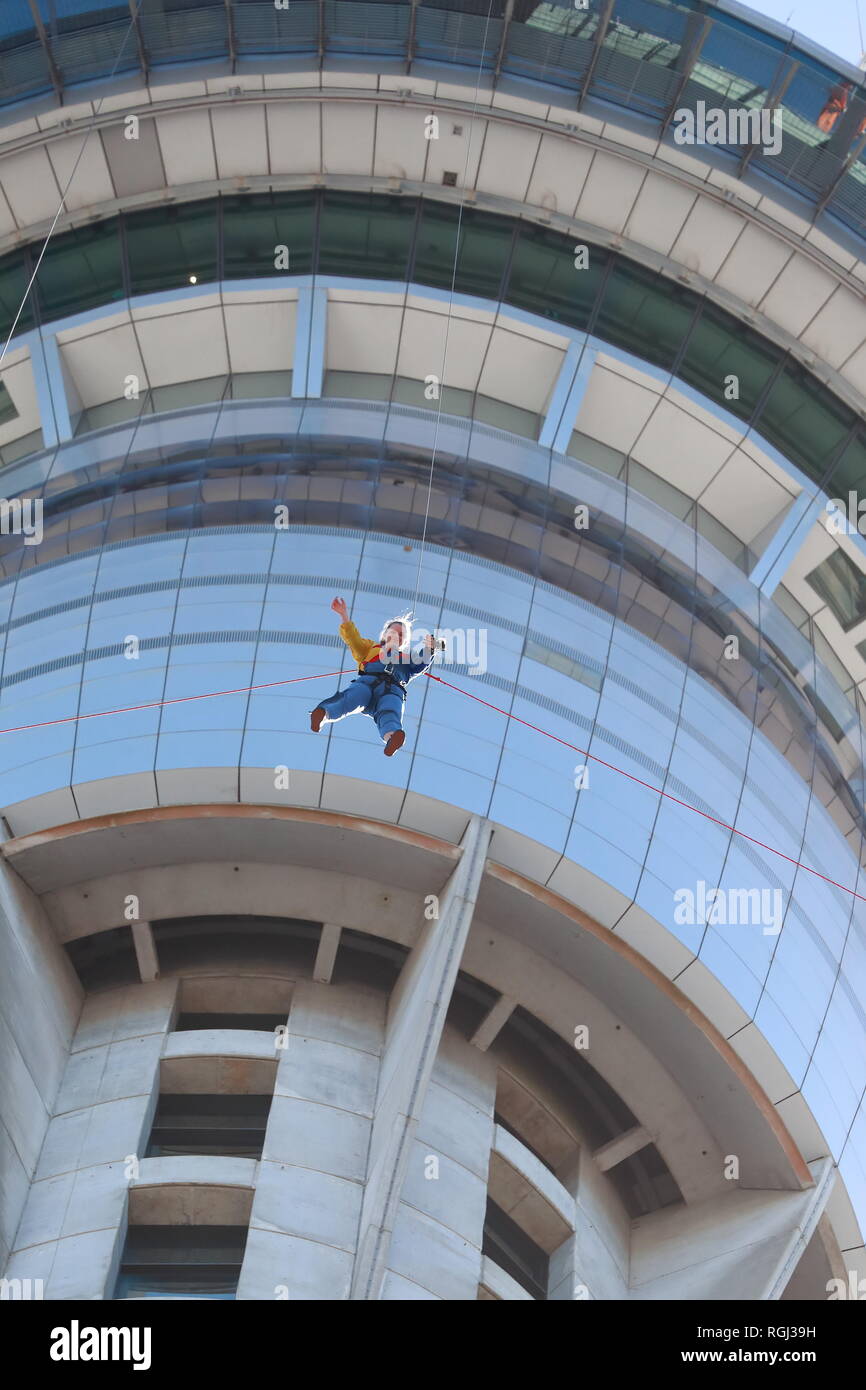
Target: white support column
(414, 1029)
(326, 955)
(51, 387)
(789, 538)
(145, 951)
(308, 365)
(567, 396)
(490, 1026)
(621, 1148)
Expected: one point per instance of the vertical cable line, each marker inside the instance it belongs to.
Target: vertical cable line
(96, 110)
(410, 270)
(451, 302)
(447, 575)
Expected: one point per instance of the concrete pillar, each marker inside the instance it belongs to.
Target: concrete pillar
(594, 1262)
(40, 1000)
(72, 1230)
(304, 1220)
(326, 955)
(744, 1245)
(415, 1020)
(435, 1251)
(145, 951)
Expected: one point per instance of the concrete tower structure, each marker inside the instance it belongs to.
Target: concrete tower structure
(508, 311)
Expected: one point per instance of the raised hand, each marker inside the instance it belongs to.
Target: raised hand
(339, 606)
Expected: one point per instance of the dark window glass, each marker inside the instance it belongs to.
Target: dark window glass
(177, 31)
(484, 247)
(362, 234)
(259, 1023)
(256, 225)
(641, 52)
(804, 420)
(545, 280)
(436, 245)
(168, 246)
(13, 285)
(230, 1125)
(644, 313)
(181, 1262)
(495, 8)
(371, 28)
(79, 270)
(850, 470)
(839, 582)
(514, 1251)
(458, 33)
(720, 347)
(16, 17)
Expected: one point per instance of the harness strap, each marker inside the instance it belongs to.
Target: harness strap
(388, 679)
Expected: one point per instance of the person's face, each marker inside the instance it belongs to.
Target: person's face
(393, 637)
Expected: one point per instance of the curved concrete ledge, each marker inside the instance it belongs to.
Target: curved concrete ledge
(529, 1192)
(558, 136)
(219, 1042)
(195, 1190)
(496, 1284)
(120, 820)
(321, 895)
(666, 987)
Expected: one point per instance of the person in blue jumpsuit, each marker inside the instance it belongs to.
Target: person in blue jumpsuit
(385, 668)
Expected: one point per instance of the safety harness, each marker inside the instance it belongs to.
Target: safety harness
(390, 681)
(386, 678)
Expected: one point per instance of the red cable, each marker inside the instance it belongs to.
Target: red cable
(177, 700)
(659, 791)
(270, 685)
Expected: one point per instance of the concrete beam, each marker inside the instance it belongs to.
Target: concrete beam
(326, 955)
(621, 1148)
(744, 1245)
(145, 951)
(789, 538)
(51, 388)
(416, 1017)
(489, 1027)
(566, 396)
(308, 365)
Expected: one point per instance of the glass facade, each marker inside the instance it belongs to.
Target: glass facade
(647, 55)
(500, 259)
(610, 639)
(228, 607)
(842, 586)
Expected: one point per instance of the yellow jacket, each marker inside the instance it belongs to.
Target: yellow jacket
(362, 648)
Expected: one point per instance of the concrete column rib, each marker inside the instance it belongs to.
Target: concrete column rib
(415, 1021)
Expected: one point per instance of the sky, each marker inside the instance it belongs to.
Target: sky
(832, 23)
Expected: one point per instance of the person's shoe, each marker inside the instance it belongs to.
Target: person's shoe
(316, 718)
(394, 741)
